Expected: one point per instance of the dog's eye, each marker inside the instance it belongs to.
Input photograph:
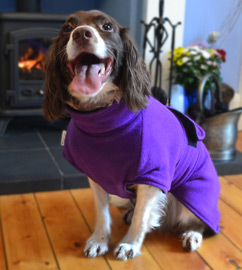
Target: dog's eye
(107, 27)
(67, 29)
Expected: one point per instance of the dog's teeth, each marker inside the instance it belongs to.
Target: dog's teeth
(102, 70)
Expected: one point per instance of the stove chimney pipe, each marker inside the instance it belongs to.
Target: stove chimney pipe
(28, 6)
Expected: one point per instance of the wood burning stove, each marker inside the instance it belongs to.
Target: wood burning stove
(24, 41)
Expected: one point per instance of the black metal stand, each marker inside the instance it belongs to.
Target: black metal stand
(160, 37)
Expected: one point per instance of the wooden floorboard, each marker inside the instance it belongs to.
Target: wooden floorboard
(231, 194)
(67, 231)
(2, 252)
(26, 243)
(48, 230)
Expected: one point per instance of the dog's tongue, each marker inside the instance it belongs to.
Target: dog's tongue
(87, 79)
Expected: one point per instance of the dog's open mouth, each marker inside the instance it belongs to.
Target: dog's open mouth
(89, 72)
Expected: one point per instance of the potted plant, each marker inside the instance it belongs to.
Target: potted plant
(190, 65)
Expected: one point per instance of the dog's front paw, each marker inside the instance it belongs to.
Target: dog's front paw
(191, 240)
(126, 251)
(95, 248)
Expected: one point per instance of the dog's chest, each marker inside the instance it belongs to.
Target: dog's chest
(110, 159)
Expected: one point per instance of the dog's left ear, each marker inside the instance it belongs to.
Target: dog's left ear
(55, 86)
(135, 79)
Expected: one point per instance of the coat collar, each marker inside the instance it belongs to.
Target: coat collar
(103, 120)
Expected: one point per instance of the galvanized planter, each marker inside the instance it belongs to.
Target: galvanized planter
(221, 129)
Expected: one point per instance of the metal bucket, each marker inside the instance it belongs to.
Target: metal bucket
(221, 134)
(221, 129)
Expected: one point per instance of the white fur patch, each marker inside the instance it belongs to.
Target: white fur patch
(191, 240)
(95, 246)
(126, 251)
(99, 46)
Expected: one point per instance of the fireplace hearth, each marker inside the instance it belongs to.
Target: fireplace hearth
(24, 42)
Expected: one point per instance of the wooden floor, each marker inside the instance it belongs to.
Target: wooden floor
(48, 231)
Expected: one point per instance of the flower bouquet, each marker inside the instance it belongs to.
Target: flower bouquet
(191, 64)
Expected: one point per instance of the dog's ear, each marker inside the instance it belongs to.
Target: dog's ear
(135, 79)
(55, 92)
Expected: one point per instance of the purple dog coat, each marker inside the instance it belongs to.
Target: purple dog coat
(156, 146)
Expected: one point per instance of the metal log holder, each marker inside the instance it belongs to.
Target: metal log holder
(220, 124)
(159, 26)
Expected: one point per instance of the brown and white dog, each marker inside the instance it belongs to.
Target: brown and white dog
(92, 63)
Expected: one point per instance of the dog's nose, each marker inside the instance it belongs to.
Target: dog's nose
(82, 34)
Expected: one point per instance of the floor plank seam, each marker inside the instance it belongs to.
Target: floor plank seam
(3, 240)
(80, 211)
(229, 239)
(204, 260)
(153, 257)
(230, 205)
(46, 231)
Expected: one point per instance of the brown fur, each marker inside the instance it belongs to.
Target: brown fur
(129, 71)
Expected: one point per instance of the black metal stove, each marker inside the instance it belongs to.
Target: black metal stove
(24, 41)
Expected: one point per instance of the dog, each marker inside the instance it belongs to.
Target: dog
(125, 141)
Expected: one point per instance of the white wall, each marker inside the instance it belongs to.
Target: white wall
(175, 11)
(239, 104)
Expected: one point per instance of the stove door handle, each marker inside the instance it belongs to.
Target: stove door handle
(40, 92)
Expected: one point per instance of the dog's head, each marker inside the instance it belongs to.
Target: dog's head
(92, 51)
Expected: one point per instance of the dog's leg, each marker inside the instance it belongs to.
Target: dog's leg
(147, 214)
(128, 214)
(191, 240)
(97, 244)
(185, 221)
